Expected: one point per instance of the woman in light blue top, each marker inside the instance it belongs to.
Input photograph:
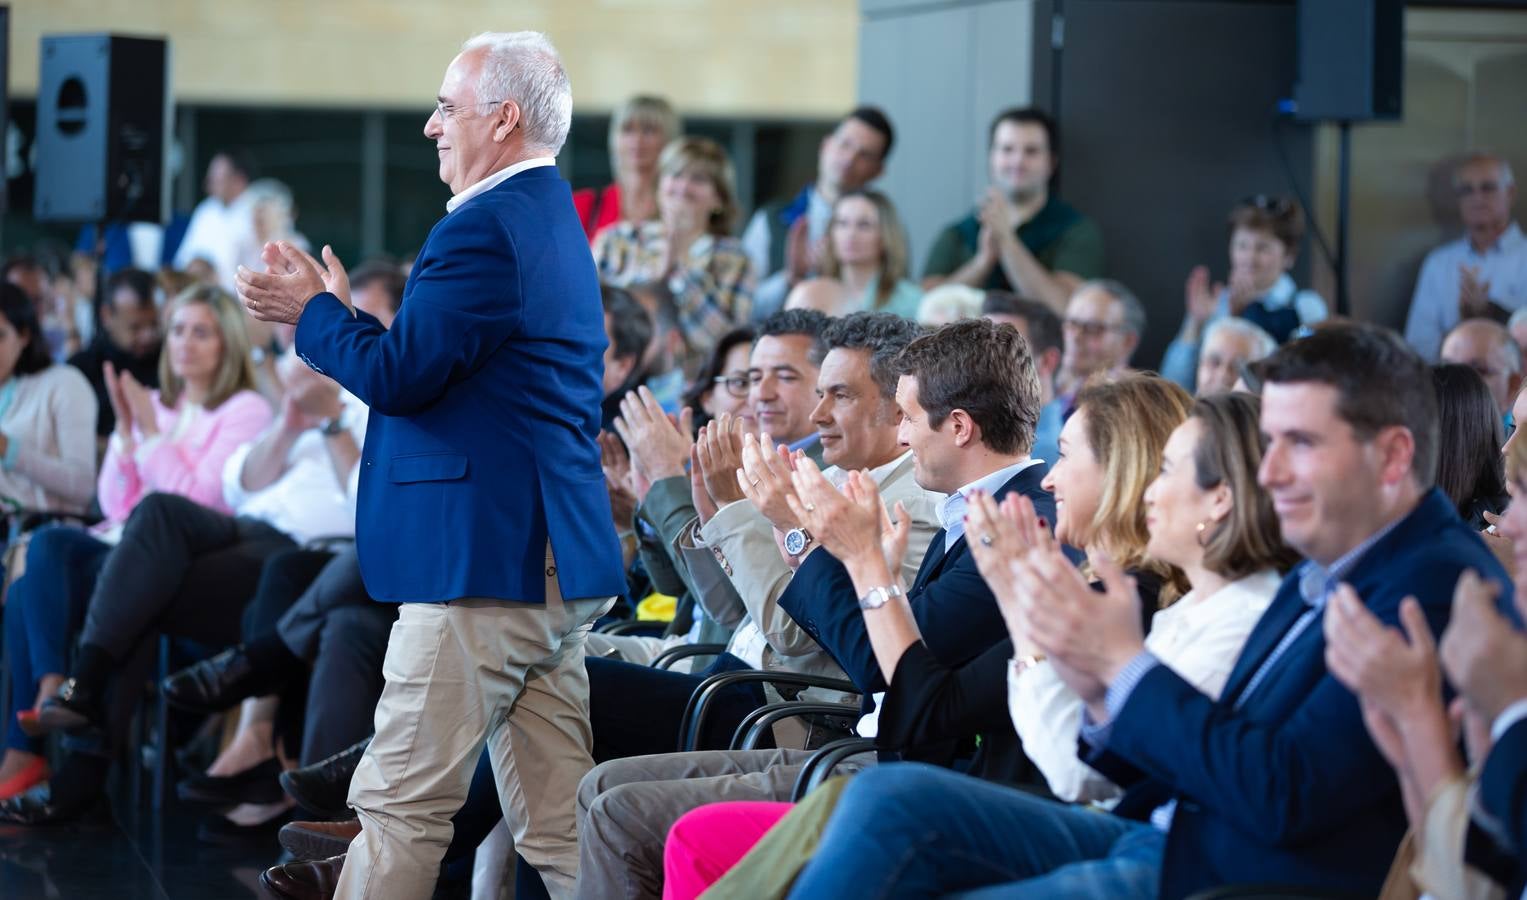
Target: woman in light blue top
(866, 252)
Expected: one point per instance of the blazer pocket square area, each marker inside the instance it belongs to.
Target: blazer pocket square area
(426, 467)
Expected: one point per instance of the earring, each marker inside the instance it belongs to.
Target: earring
(1203, 528)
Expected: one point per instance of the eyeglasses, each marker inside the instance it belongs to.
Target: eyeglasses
(1483, 188)
(736, 385)
(444, 109)
(1090, 328)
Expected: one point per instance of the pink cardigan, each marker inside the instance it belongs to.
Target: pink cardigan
(190, 465)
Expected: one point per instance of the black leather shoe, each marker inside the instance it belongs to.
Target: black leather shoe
(216, 683)
(219, 830)
(36, 807)
(304, 880)
(260, 784)
(318, 840)
(72, 708)
(324, 787)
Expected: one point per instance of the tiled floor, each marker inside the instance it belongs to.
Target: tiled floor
(136, 856)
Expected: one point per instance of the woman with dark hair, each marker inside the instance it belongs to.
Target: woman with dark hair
(47, 417)
(722, 384)
(1470, 469)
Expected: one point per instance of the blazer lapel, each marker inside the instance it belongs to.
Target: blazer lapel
(1285, 610)
(933, 563)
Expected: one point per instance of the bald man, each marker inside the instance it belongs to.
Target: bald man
(1486, 347)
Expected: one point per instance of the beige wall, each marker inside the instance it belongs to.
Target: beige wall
(1465, 87)
(721, 57)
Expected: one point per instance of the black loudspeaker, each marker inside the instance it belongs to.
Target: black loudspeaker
(5, 102)
(103, 118)
(1351, 60)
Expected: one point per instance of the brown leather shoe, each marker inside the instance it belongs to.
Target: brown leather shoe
(304, 880)
(318, 840)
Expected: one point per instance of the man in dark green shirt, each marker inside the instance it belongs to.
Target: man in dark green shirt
(1020, 238)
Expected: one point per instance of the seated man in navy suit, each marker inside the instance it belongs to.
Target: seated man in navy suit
(1275, 782)
(482, 508)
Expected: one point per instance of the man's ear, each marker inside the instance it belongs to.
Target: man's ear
(508, 119)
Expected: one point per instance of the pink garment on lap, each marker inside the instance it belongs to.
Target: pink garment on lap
(705, 842)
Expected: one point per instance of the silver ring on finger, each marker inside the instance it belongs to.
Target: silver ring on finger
(985, 540)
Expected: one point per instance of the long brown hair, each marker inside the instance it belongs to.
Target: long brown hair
(893, 245)
(1229, 452)
(235, 369)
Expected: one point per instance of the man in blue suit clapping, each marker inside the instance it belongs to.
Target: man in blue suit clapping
(482, 507)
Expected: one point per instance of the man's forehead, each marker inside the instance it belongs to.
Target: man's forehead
(780, 349)
(1290, 403)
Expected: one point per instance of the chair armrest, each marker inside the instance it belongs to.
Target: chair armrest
(819, 766)
(667, 658)
(631, 626)
(700, 701)
(757, 723)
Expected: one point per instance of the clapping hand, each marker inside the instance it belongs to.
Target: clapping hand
(1088, 635)
(765, 479)
(620, 477)
(139, 402)
(1395, 672)
(852, 524)
(1240, 293)
(119, 405)
(292, 278)
(657, 444)
(1485, 657)
(997, 535)
(720, 458)
(1473, 294)
(1202, 296)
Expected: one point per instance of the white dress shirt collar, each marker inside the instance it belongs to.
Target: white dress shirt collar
(951, 512)
(496, 179)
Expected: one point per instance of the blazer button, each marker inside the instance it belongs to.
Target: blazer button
(551, 571)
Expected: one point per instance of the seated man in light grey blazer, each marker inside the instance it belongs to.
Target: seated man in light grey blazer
(738, 555)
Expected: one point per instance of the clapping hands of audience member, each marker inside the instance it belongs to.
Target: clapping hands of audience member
(1485, 657)
(620, 477)
(658, 445)
(852, 524)
(292, 278)
(1202, 296)
(132, 402)
(1473, 294)
(997, 534)
(1089, 636)
(720, 455)
(1499, 544)
(803, 256)
(765, 479)
(308, 400)
(1240, 292)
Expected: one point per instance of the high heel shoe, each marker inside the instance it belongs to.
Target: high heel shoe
(33, 774)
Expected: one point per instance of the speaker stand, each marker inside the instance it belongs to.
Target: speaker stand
(1343, 216)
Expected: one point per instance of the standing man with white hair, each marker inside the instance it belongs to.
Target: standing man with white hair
(482, 506)
(1480, 275)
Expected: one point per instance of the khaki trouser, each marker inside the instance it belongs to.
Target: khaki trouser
(457, 674)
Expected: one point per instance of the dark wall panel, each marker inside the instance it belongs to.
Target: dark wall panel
(1167, 111)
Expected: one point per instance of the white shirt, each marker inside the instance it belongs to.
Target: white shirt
(496, 179)
(951, 512)
(1434, 307)
(217, 233)
(1199, 638)
(308, 501)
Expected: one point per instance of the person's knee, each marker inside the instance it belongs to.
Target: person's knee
(356, 634)
(160, 507)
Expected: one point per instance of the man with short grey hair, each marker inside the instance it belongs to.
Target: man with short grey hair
(1487, 348)
(1229, 343)
(1482, 274)
(482, 509)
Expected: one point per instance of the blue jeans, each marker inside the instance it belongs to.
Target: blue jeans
(912, 830)
(44, 609)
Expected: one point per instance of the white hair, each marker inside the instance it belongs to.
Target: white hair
(950, 302)
(524, 67)
(1503, 167)
(1262, 343)
(1517, 318)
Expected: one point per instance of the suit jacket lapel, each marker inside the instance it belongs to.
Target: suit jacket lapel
(933, 563)
(1285, 610)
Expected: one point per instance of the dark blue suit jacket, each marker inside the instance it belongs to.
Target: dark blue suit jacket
(484, 401)
(953, 606)
(1503, 789)
(1288, 789)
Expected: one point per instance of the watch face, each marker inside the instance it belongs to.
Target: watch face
(795, 541)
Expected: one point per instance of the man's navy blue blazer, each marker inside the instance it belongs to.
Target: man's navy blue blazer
(953, 606)
(1289, 788)
(484, 401)
(1503, 790)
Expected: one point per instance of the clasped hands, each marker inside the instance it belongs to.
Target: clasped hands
(291, 279)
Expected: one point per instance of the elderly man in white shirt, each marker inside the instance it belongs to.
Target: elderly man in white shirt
(1480, 275)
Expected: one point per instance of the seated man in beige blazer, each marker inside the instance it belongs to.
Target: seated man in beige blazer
(736, 553)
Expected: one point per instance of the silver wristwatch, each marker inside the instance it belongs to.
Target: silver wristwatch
(796, 541)
(877, 597)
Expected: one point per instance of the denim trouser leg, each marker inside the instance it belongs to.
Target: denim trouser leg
(44, 609)
(911, 830)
